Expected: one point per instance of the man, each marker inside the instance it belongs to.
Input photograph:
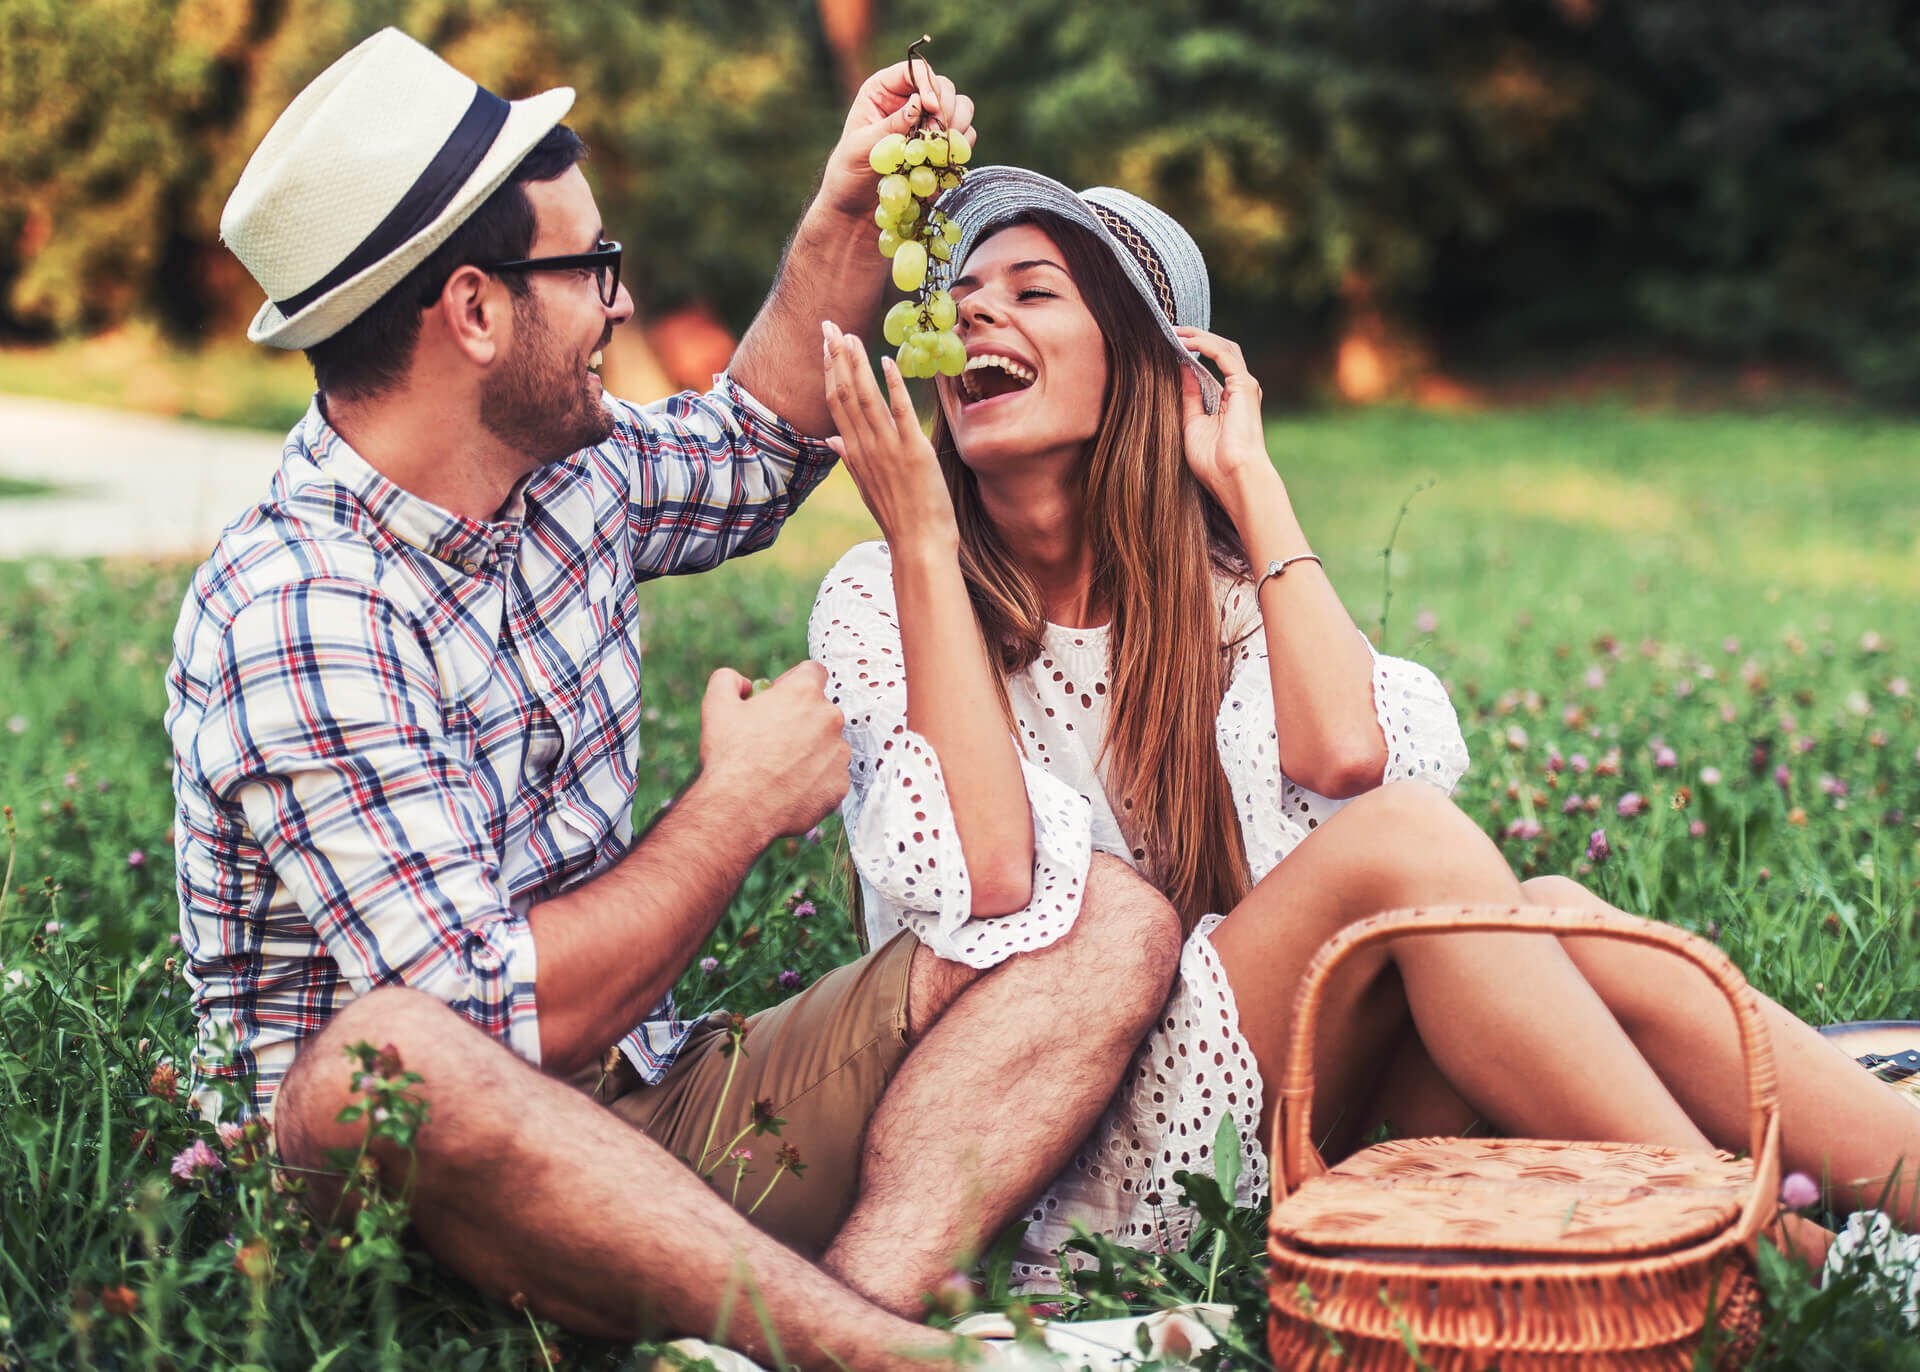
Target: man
(404, 707)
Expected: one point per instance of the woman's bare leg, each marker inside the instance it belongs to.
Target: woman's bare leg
(1508, 1018)
(1837, 1123)
(1415, 1100)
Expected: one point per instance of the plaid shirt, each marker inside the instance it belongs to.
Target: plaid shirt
(395, 729)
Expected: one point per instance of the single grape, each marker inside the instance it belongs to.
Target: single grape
(959, 151)
(895, 193)
(949, 179)
(908, 215)
(923, 182)
(950, 231)
(915, 151)
(940, 248)
(883, 218)
(889, 242)
(937, 150)
(941, 311)
(900, 322)
(888, 153)
(949, 353)
(910, 266)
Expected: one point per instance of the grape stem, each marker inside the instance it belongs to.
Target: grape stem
(915, 55)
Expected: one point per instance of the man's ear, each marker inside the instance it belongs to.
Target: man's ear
(475, 311)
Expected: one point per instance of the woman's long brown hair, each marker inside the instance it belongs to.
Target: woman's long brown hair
(1157, 540)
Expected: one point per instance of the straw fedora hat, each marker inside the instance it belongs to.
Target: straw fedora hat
(369, 170)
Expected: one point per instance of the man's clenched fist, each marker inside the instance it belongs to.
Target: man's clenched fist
(777, 754)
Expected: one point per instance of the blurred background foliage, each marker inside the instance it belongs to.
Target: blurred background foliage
(1381, 186)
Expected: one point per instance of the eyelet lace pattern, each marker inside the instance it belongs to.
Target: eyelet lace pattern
(1195, 1066)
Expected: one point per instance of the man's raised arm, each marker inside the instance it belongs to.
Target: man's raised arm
(831, 269)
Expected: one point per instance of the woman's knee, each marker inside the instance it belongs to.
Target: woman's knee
(1430, 840)
(1561, 892)
(1416, 807)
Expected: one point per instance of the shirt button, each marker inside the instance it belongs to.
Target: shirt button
(472, 567)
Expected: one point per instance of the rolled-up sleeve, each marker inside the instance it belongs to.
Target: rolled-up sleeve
(329, 737)
(712, 476)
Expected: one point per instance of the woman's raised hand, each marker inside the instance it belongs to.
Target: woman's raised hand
(884, 450)
(1227, 449)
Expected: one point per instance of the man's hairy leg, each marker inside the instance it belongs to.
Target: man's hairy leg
(1012, 1074)
(523, 1184)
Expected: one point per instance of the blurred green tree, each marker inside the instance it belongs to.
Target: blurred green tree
(1786, 185)
(1742, 176)
(1321, 151)
(124, 123)
(105, 108)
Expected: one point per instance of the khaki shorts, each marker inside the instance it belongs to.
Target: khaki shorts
(823, 1059)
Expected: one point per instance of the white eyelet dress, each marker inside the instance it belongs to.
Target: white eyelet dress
(1195, 1064)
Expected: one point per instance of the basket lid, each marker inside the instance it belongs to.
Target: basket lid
(1425, 1199)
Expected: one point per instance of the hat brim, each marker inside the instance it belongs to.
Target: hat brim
(527, 122)
(990, 196)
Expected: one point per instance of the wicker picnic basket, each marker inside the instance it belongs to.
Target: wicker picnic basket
(1517, 1253)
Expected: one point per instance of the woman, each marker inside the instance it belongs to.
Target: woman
(1095, 622)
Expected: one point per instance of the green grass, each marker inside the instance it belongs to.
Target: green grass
(1588, 581)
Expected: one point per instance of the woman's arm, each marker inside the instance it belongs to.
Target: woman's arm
(1323, 707)
(1330, 737)
(952, 691)
(900, 827)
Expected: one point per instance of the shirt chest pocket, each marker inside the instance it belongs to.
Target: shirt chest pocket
(598, 709)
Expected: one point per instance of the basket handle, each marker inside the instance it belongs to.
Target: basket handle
(1294, 1156)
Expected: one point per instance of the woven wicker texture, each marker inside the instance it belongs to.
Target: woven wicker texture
(1517, 1196)
(1517, 1254)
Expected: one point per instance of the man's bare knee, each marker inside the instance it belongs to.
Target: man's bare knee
(1125, 913)
(425, 1035)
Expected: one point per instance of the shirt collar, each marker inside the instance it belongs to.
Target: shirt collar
(469, 545)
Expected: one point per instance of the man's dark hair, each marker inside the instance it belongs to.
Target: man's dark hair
(371, 354)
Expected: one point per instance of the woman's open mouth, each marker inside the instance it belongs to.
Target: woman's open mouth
(992, 376)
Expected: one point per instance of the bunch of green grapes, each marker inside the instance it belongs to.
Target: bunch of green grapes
(919, 239)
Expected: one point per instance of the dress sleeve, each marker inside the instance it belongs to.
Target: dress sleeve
(1416, 717)
(899, 821)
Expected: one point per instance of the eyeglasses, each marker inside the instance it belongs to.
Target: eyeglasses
(603, 262)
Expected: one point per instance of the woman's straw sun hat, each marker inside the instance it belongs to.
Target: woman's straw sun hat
(1158, 256)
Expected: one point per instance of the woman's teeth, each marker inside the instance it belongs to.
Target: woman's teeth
(593, 363)
(970, 380)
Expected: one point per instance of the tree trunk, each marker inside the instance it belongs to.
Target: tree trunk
(848, 25)
(1378, 358)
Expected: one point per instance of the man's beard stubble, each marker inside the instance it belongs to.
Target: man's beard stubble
(541, 402)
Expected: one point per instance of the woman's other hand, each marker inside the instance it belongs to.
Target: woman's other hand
(886, 453)
(1227, 450)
